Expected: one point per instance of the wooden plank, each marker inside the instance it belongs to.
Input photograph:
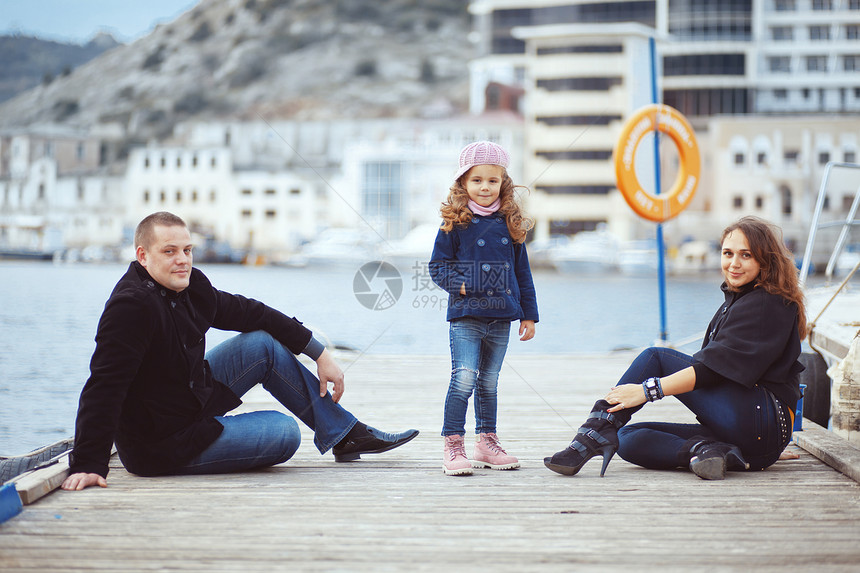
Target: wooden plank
(37, 483)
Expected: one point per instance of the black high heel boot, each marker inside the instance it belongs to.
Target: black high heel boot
(598, 435)
(709, 459)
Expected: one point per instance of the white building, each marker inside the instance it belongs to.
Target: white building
(56, 193)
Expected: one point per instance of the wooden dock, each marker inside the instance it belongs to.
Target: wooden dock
(398, 511)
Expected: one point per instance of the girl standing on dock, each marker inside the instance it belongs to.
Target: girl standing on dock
(480, 259)
(742, 385)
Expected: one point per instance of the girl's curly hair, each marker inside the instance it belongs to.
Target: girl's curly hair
(455, 210)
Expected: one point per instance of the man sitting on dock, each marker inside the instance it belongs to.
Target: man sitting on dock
(154, 393)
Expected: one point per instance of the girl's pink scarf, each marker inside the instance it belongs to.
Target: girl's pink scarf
(484, 211)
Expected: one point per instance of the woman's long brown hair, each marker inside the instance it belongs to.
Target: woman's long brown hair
(778, 274)
(455, 210)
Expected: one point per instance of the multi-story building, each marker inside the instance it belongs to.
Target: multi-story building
(584, 68)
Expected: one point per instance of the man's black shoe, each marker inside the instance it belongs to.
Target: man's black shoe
(369, 441)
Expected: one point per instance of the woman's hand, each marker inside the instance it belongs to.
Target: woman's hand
(79, 481)
(625, 396)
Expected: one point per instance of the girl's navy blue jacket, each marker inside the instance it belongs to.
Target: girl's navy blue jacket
(150, 389)
(753, 341)
(495, 270)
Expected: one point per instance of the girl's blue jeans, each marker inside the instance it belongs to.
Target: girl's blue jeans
(728, 412)
(265, 438)
(478, 349)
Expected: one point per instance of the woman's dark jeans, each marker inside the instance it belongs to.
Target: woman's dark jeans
(728, 412)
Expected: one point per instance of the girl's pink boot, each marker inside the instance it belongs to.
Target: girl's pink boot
(489, 453)
(454, 461)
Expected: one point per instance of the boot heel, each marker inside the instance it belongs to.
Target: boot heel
(608, 452)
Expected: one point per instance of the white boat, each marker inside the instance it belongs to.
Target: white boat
(337, 247)
(588, 252)
(696, 257)
(413, 250)
(833, 312)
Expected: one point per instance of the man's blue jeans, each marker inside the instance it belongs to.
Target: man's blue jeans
(728, 412)
(477, 351)
(265, 438)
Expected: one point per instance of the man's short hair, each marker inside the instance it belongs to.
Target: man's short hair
(143, 233)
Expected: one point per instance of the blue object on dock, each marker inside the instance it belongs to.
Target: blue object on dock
(10, 502)
(798, 413)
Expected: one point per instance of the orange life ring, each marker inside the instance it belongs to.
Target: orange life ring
(662, 207)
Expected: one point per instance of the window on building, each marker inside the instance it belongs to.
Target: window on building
(146, 162)
(194, 196)
(785, 194)
(178, 162)
(575, 189)
(246, 213)
(849, 157)
(759, 202)
(247, 191)
(779, 63)
(819, 33)
(738, 202)
(81, 151)
(212, 196)
(791, 156)
(295, 191)
(581, 155)
(822, 4)
(179, 196)
(581, 49)
(761, 158)
(571, 226)
(214, 163)
(579, 84)
(739, 158)
(816, 63)
(805, 92)
(852, 32)
(271, 214)
(857, 93)
(163, 162)
(785, 5)
(146, 196)
(851, 63)
(823, 157)
(163, 196)
(194, 160)
(826, 205)
(81, 190)
(704, 65)
(780, 94)
(557, 120)
(854, 4)
(41, 190)
(782, 33)
(270, 191)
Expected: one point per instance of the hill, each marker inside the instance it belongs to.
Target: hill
(29, 61)
(298, 59)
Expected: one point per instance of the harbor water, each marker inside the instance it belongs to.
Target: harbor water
(49, 313)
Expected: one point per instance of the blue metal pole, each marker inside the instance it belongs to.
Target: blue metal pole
(661, 263)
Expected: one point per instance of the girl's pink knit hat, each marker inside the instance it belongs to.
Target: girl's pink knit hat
(481, 153)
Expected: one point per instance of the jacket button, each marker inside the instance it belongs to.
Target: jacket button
(507, 266)
(490, 292)
(163, 292)
(481, 242)
(485, 267)
(474, 219)
(504, 240)
(508, 291)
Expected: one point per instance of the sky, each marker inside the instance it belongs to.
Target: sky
(78, 21)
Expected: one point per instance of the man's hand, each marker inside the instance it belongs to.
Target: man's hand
(329, 371)
(79, 481)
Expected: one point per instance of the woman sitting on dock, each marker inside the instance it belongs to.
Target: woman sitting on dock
(742, 384)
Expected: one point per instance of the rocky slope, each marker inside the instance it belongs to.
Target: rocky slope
(300, 59)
